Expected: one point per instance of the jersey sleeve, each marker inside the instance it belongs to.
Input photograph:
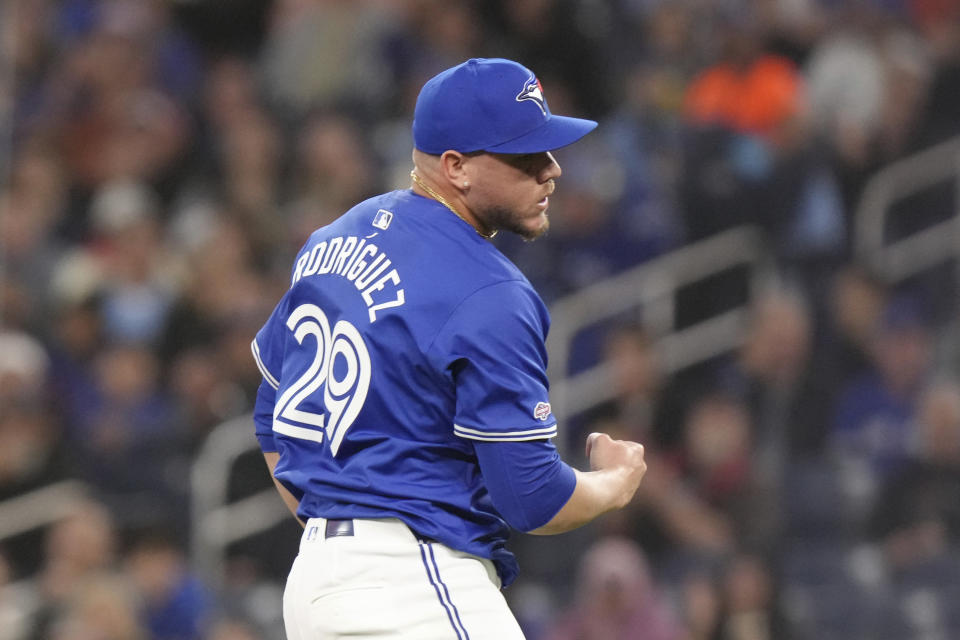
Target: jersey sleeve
(493, 347)
(527, 481)
(263, 416)
(267, 348)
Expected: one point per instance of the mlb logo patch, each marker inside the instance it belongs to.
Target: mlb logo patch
(541, 411)
(382, 219)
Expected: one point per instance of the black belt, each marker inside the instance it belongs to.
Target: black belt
(338, 528)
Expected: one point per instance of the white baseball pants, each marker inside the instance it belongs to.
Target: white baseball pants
(375, 579)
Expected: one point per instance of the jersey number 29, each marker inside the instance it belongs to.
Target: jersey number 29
(340, 351)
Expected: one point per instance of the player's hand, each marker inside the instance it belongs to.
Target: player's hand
(624, 456)
(605, 452)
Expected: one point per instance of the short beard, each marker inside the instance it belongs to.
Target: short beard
(500, 218)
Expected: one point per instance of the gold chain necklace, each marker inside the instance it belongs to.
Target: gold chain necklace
(439, 198)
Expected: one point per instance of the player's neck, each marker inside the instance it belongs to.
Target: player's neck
(455, 203)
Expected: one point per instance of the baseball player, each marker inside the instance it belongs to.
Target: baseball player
(404, 411)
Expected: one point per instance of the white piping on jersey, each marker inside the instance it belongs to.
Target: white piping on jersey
(297, 432)
(505, 436)
(271, 380)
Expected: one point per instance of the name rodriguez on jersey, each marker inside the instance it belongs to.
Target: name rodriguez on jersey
(362, 263)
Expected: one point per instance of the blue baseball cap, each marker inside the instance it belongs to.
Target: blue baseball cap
(490, 104)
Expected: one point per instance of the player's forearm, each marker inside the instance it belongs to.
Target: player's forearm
(596, 493)
(618, 467)
(272, 457)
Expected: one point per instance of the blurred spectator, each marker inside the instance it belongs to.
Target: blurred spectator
(709, 496)
(733, 598)
(871, 427)
(326, 54)
(79, 548)
(782, 382)
(617, 598)
(232, 630)
(175, 605)
(249, 162)
(939, 24)
(32, 205)
(104, 609)
(845, 76)
(671, 55)
(76, 338)
(700, 606)
(230, 92)
(720, 468)
(205, 395)
(563, 41)
(867, 80)
(747, 91)
(676, 490)
(139, 277)
(436, 35)
(773, 362)
(750, 602)
(15, 605)
(124, 440)
(222, 286)
(32, 454)
(908, 71)
(205, 345)
(333, 171)
(644, 131)
(749, 159)
(916, 514)
(23, 368)
(23, 38)
(856, 304)
(636, 377)
(117, 121)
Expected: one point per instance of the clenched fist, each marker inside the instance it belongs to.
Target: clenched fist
(623, 456)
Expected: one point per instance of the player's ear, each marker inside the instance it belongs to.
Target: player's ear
(452, 165)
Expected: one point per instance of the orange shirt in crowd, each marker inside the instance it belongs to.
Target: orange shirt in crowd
(753, 99)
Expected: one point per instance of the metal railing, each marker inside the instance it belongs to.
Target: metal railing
(40, 507)
(651, 288)
(902, 258)
(894, 261)
(216, 523)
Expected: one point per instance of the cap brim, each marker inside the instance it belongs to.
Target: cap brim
(556, 132)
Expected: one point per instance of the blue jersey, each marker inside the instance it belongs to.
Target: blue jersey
(404, 339)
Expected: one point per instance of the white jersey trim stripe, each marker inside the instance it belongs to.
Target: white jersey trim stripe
(545, 436)
(297, 432)
(467, 431)
(505, 436)
(271, 380)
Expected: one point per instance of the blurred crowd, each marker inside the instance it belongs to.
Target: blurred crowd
(164, 161)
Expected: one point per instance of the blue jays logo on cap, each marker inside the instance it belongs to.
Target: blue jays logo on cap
(533, 92)
(475, 106)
